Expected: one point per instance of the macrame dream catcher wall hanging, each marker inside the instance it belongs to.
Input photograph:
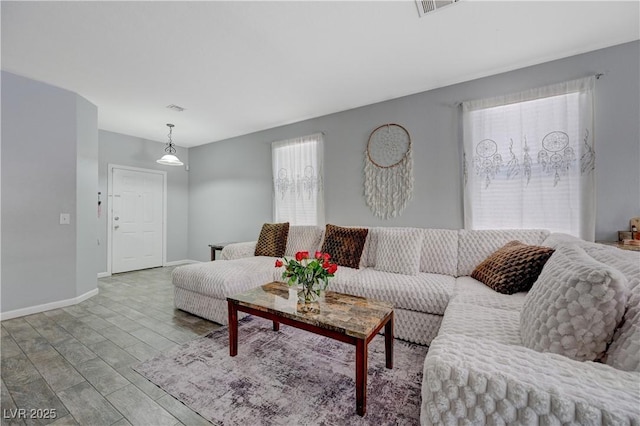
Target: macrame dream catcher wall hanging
(388, 171)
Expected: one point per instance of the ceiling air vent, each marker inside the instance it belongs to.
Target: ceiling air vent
(427, 6)
(175, 108)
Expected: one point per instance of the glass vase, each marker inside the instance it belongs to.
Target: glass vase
(308, 292)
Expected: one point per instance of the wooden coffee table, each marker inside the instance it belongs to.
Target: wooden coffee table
(349, 319)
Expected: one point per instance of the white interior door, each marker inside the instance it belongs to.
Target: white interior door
(136, 220)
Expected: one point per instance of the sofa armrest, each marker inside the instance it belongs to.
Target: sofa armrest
(485, 382)
(238, 250)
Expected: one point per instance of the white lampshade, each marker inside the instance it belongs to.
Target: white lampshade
(170, 160)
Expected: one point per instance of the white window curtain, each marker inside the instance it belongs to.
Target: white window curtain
(529, 160)
(298, 180)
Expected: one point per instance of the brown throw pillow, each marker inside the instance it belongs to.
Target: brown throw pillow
(273, 239)
(512, 268)
(344, 245)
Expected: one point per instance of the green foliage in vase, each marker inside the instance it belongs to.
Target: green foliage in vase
(306, 271)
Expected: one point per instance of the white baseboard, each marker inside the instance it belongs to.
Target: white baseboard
(173, 263)
(47, 306)
(180, 262)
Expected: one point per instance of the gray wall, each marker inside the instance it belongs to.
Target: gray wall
(230, 181)
(86, 195)
(48, 165)
(124, 150)
(229, 193)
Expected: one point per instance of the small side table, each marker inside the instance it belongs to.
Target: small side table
(620, 245)
(218, 246)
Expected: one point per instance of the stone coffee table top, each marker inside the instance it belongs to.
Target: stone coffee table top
(351, 315)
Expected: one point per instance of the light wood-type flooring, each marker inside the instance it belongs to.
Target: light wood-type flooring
(77, 360)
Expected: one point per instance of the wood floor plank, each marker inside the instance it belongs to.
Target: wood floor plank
(182, 412)
(18, 371)
(67, 420)
(119, 337)
(142, 351)
(20, 330)
(102, 376)
(112, 354)
(9, 348)
(88, 407)
(142, 383)
(54, 333)
(139, 409)
(37, 395)
(153, 339)
(75, 352)
(57, 371)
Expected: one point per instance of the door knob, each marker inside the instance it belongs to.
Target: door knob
(116, 227)
(116, 218)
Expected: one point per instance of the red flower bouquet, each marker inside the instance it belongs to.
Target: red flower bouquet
(311, 275)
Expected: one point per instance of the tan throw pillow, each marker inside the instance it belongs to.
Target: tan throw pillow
(512, 268)
(273, 239)
(344, 245)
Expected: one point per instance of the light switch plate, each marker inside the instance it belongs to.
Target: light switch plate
(65, 219)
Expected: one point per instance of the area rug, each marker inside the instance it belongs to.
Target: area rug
(288, 377)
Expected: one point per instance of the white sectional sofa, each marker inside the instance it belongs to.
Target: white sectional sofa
(420, 300)
(477, 370)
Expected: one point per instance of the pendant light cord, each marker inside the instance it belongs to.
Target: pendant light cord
(170, 148)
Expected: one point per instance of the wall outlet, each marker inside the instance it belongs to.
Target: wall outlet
(65, 218)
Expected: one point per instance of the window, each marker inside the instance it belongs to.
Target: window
(298, 180)
(529, 160)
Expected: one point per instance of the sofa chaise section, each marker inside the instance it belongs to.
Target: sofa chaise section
(202, 288)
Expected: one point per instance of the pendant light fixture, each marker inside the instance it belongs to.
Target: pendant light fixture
(169, 158)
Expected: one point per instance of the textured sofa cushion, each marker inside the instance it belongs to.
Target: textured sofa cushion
(399, 251)
(303, 238)
(224, 278)
(344, 244)
(560, 239)
(491, 324)
(512, 268)
(238, 250)
(475, 245)
(370, 251)
(472, 292)
(624, 352)
(625, 261)
(428, 293)
(440, 251)
(273, 239)
(574, 307)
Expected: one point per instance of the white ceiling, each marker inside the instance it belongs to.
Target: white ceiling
(240, 67)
